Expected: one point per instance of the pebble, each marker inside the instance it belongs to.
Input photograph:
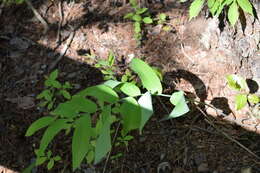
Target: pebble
(19, 43)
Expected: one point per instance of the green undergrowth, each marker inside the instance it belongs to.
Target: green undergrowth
(92, 114)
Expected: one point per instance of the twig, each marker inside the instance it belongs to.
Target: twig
(1, 7)
(186, 55)
(63, 51)
(227, 136)
(38, 16)
(58, 40)
(109, 153)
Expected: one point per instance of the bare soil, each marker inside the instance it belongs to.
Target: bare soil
(194, 56)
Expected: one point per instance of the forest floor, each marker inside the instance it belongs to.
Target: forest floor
(198, 142)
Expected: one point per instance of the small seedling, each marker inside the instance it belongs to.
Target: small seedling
(53, 89)
(43, 158)
(107, 67)
(140, 16)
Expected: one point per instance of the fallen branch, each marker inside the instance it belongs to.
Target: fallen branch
(38, 16)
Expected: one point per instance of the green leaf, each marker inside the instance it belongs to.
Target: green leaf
(141, 10)
(236, 82)
(56, 84)
(54, 75)
(130, 89)
(241, 101)
(103, 145)
(233, 13)
(49, 154)
(111, 58)
(90, 157)
(147, 20)
(215, 7)
(40, 160)
(39, 124)
(101, 92)
(221, 6)
(195, 8)
(137, 18)
(112, 83)
(76, 105)
(81, 140)
(145, 102)
(246, 6)
(128, 138)
(133, 3)
(162, 17)
(211, 3)
(50, 132)
(81, 104)
(131, 114)
(137, 27)
(45, 94)
(57, 158)
(65, 110)
(65, 94)
(148, 77)
(50, 164)
(181, 107)
(129, 16)
(253, 99)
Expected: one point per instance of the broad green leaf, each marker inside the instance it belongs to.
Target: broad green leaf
(50, 164)
(112, 83)
(128, 15)
(222, 5)
(147, 20)
(65, 110)
(141, 10)
(137, 18)
(137, 27)
(145, 102)
(233, 13)
(50, 132)
(130, 89)
(246, 6)
(147, 75)
(81, 140)
(195, 8)
(241, 101)
(81, 104)
(39, 124)
(131, 114)
(211, 3)
(54, 75)
(215, 7)
(236, 82)
(181, 107)
(101, 92)
(133, 3)
(253, 99)
(103, 145)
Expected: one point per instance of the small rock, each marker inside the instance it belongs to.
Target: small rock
(202, 168)
(246, 170)
(19, 43)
